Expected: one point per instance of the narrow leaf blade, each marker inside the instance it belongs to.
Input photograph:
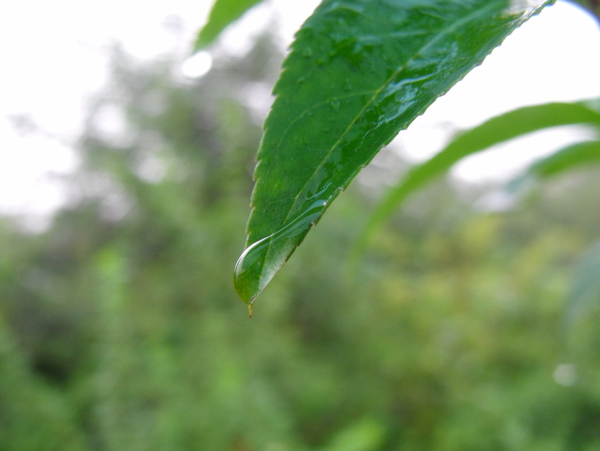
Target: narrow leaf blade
(494, 131)
(223, 13)
(359, 72)
(579, 154)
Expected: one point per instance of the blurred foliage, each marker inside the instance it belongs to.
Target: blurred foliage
(120, 329)
(222, 14)
(499, 129)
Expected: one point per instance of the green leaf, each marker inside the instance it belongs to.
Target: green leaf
(222, 14)
(494, 131)
(359, 72)
(579, 154)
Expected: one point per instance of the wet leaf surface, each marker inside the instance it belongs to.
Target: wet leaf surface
(358, 73)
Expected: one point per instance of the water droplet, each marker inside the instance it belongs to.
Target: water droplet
(321, 192)
(335, 104)
(259, 262)
(307, 53)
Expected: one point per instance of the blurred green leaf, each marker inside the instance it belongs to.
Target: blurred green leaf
(575, 155)
(494, 131)
(223, 13)
(580, 154)
(358, 73)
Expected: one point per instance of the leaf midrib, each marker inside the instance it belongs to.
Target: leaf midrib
(469, 17)
(376, 94)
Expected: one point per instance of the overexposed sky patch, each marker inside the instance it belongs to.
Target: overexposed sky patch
(55, 57)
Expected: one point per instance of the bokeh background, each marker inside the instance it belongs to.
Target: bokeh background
(120, 328)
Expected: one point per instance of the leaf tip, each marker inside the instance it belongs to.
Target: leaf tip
(244, 282)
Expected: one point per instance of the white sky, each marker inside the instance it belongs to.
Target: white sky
(54, 58)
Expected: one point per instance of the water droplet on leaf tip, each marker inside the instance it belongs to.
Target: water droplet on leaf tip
(245, 282)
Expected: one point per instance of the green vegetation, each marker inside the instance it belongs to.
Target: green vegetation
(120, 328)
(222, 14)
(495, 131)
